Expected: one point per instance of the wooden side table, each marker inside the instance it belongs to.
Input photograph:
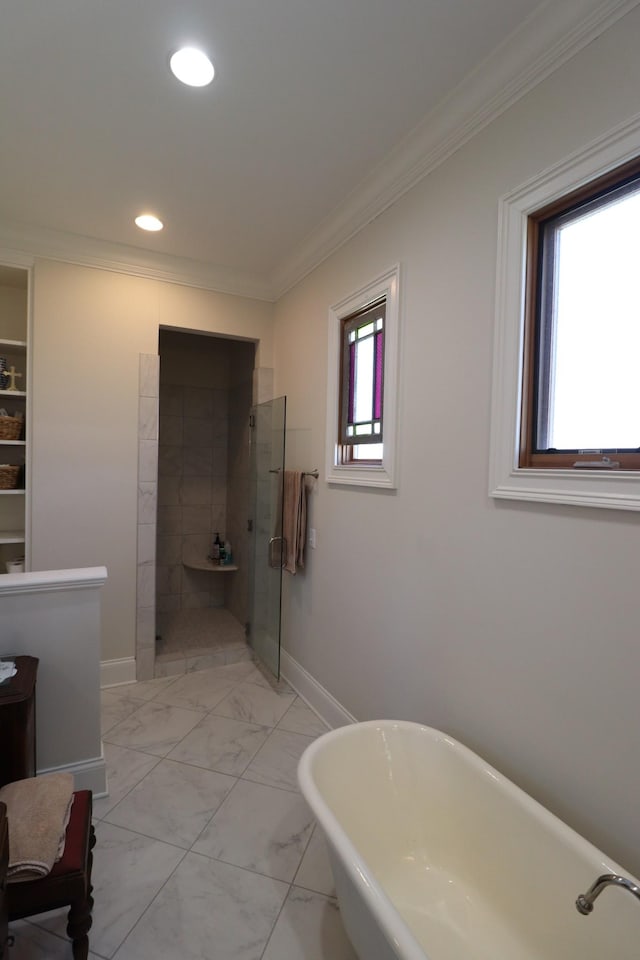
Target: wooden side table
(18, 722)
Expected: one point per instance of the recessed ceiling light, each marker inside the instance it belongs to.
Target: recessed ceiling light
(192, 67)
(146, 221)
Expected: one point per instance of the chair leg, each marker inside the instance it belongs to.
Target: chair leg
(79, 920)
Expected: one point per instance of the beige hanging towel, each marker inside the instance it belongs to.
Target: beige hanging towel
(294, 519)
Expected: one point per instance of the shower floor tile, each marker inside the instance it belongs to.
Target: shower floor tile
(197, 638)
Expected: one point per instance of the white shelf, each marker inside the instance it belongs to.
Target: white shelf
(13, 393)
(13, 443)
(211, 567)
(11, 536)
(16, 345)
(9, 493)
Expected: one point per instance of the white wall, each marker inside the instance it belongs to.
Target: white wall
(89, 327)
(511, 626)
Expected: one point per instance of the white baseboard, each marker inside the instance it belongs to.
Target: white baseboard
(87, 775)
(114, 672)
(319, 699)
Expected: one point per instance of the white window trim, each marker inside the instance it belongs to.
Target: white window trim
(366, 475)
(618, 490)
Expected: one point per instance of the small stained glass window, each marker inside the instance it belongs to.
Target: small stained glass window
(362, 372)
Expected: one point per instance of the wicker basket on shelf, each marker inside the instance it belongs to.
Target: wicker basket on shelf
(8, 476)
(10, 428)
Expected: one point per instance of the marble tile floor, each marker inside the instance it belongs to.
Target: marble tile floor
(199, 638)
(206, 849)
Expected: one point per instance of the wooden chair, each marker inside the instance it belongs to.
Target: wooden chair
(68, 884)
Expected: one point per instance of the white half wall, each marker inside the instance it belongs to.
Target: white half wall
(55, 616)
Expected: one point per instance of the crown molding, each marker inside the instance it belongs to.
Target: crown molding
(548, 38)
(49, 244)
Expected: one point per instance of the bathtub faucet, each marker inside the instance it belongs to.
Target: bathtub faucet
(584, 903)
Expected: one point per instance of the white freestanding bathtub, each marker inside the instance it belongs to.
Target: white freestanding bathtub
(437, 855)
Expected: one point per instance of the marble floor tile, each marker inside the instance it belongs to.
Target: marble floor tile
(114, 708)
(221, 744)
(200, 690)
(33, 943)
(314, 872)
(174, 802)
(128, 871)
(142, 690)
(255, 704)
(155, 728)
(276, 763)
(309, 928)
(300, 718)
(207, 909)
(125, 768)
(237, 671)
(260, 828)
(264, 678)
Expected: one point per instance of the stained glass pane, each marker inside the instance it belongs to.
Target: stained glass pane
(352, 375)
(364, 380)
(377, 401)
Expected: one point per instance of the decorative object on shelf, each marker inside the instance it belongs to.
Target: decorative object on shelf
(11, 374)
(15, 566)
(4, 379)
(10, 427)
(9, 476)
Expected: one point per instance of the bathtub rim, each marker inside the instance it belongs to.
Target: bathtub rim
(387, 915)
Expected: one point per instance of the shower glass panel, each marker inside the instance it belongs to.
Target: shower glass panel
(265, 592)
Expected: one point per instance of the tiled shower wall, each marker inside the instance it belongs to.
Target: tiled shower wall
(205, 397)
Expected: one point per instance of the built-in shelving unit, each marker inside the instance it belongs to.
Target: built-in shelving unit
(14, 349)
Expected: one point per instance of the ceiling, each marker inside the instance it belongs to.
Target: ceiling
(309, 97)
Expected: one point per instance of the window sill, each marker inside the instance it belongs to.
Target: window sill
(613, 490)
(364, 475)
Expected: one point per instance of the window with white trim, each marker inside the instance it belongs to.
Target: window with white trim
(361, 405)
(542, 447)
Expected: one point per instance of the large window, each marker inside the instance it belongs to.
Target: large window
(565, 417)
(581, 390)
(362, 385)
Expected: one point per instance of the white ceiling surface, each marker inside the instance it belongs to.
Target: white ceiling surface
(309, 97)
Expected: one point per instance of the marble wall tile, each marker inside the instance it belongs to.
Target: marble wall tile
(145, 663)
(198, 402)
(146, 543)
(197, 461)
(169, 519)
(145, 628)
(168, 579)
(148, 460)
(197, 432)
(171, 430)
(172, 400)
(147, 502)
(145, 585)
(169, 491)
(169, 668)
(203, 908)
(169, 550)
(196, 547)
(167, 603)
(220, 461)
(170, 460)
(149, 375)
(195, 601)
(147, 418)
(196, 519)
(196, 490)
